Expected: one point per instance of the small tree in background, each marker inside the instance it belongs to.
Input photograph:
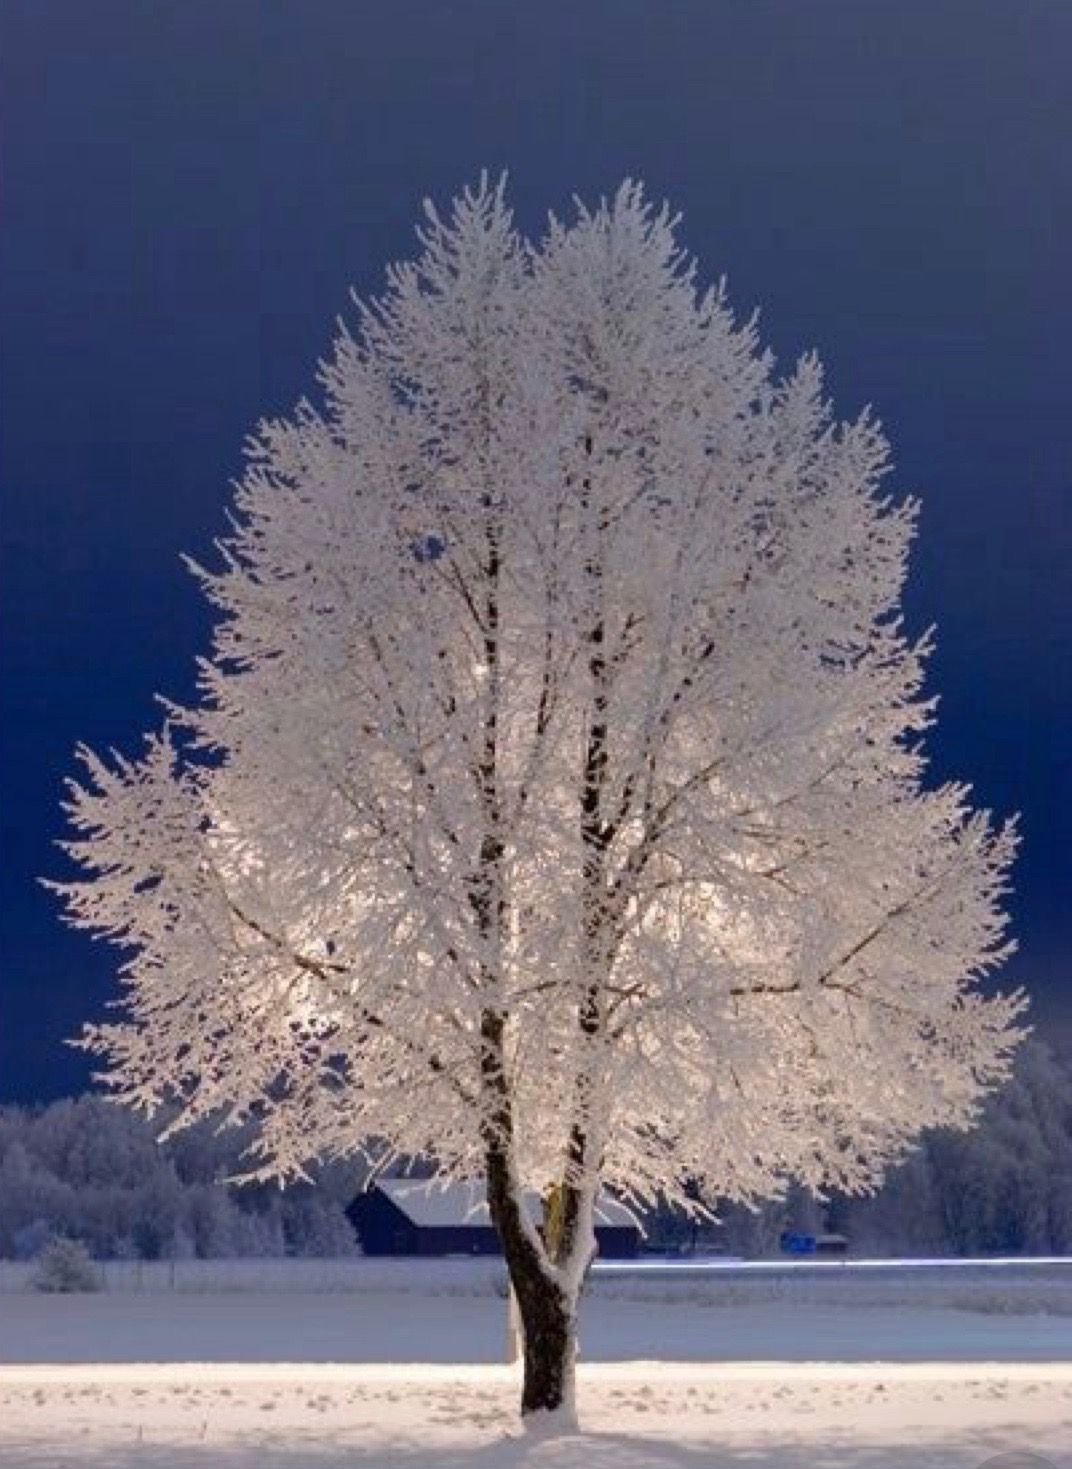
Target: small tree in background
(554, 808)
(65, 1268)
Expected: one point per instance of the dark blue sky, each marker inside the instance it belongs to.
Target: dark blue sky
(190, 187)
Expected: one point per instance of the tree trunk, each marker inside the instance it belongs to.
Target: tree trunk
(549, 1342)
(548, 1310)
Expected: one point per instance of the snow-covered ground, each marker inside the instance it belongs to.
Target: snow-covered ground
(635, 1416)
(1015, 1287)
(320, 1328)
(202, 1381)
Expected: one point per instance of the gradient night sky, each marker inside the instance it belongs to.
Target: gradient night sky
(190, 187)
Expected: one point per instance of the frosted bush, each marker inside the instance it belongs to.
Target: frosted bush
(65, 1268)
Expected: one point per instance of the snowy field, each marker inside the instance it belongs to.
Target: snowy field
(636, 1416)
(251, 1327)
(370, 1379)
(1012, 1286)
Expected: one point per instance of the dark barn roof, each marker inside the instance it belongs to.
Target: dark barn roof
(406, 1216)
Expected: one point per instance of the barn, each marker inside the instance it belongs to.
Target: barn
(408, 1216)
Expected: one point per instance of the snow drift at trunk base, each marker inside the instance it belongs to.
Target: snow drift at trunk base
(554, 808)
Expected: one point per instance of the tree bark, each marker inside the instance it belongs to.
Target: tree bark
(547, 1310)
(549, 1341)
(549, 1328)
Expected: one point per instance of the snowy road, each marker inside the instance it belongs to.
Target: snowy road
(270, 1327)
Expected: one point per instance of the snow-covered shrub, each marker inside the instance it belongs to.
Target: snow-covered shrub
(65, 1268)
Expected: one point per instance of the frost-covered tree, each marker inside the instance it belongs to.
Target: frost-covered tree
(554, 807)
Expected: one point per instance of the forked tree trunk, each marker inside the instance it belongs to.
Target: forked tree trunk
(548, 1311)
(548, 1339)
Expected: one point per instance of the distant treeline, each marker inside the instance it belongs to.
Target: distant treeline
(91, 1171)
